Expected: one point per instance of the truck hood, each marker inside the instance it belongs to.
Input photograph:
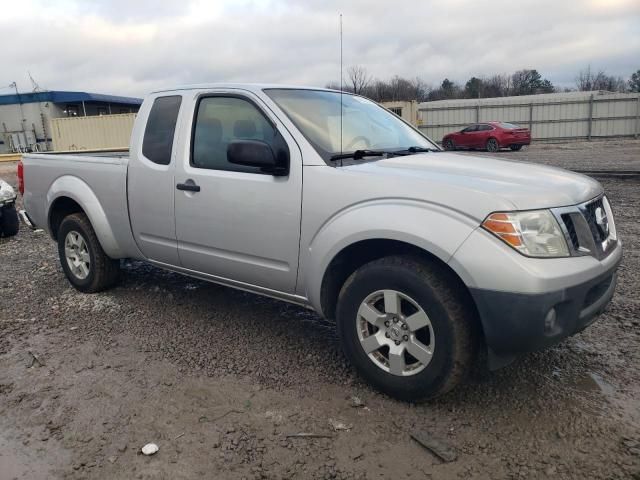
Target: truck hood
(524, 185)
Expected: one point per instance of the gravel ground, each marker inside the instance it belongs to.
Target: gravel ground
(612, 154)
(219, 378)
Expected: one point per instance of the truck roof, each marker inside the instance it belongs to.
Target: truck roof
(253, 87)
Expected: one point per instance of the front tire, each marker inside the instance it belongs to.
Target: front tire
(407, 328)
(9, 223)
(84, 262)
(449, 145)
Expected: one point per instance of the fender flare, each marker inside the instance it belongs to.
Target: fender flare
(80, 192)
(431, 227)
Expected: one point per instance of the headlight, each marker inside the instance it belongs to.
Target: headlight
(6, 192)
(534, 233)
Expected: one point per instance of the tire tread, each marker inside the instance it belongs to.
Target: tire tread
(105, 269)
(459, 308)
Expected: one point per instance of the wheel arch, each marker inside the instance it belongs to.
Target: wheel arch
(357, 254)
(68, 195)
(493, 137)
(383, 226)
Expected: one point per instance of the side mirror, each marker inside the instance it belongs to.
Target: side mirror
(256, 153)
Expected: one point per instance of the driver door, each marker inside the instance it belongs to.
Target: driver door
(239, 223)
(467, 136)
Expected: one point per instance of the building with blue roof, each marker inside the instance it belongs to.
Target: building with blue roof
(25, 117)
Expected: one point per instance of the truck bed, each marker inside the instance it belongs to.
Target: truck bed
(97, 181)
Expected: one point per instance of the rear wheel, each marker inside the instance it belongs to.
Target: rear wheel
(515, 148)
(448, 144)
(492, 145)
(84, 262)
(406, 328)
(9, 224)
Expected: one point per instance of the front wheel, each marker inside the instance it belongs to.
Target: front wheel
(492, 145)
(84, 262)
(406, 327)
(515, 148)
(9, 224)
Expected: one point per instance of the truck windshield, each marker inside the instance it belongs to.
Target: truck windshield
(365, 125)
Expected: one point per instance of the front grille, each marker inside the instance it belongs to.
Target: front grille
(571, 230)
(585, 236)
(590, 216)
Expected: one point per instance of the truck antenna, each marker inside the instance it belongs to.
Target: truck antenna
(341, 89)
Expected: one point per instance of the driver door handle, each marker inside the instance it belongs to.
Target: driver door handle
(189, 187)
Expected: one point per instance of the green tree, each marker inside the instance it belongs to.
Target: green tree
(526, 82)
(546, 87)
(634, 82)
(449, 89)
(530, 82)
(473, 87)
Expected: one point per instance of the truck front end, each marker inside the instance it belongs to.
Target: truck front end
(539, 276)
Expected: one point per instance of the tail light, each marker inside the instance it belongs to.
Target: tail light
(21, 177)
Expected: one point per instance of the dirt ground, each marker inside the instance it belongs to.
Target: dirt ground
(220, 379)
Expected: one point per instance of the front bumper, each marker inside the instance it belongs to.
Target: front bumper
(516, 323)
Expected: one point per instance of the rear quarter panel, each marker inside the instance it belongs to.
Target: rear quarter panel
(97, 184)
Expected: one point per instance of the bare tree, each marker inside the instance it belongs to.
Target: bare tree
(634, 82)
(588, 80)
(420, 90)
(359, 79)
(496, 86)
(333, 85)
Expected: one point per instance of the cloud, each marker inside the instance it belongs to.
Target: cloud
(132, 47)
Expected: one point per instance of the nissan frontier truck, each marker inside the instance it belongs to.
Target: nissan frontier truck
(424, 258)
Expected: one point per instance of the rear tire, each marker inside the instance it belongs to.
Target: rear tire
(492, 145)
(515, 148)
(429, 298)
(9, 223)
(84, 262)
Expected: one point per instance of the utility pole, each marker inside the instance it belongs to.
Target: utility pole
(15, 86)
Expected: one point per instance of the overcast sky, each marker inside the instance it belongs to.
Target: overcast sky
(130, 47)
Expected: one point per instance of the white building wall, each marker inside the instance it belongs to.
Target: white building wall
(556, 116)
(36, 118)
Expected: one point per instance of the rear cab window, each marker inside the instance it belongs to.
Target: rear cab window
(157, 142)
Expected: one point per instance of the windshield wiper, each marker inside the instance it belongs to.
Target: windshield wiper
(359, 154)
(412, 150)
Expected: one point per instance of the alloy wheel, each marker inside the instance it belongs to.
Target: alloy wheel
(395, 332)
(77, 255)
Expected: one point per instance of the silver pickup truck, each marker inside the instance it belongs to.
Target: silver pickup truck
(424, 258)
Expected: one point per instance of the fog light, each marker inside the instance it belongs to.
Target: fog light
(550, 321)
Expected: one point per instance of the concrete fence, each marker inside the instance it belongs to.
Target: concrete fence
(556, 116)
(92, 133)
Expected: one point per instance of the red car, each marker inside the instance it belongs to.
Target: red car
(490, 135)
